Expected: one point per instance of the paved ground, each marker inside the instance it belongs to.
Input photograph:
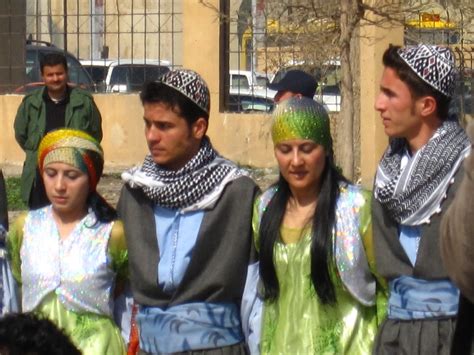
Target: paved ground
(110, 185)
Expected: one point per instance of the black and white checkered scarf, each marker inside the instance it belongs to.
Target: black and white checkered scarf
(197, 185)
(414, 192)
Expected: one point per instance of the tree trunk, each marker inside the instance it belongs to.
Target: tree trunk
(345, 126)
(344, 147)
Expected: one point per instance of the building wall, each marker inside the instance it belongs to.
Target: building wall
(243, 138)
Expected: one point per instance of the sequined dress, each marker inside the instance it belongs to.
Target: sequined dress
(71, 280)
(297, 322)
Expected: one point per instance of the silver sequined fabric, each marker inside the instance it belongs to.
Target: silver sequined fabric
(76, 268)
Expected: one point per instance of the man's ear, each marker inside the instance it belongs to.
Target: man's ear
(199, 128)
(427, 106)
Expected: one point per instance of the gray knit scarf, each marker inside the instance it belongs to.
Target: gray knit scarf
(201, 176)
(412, 194)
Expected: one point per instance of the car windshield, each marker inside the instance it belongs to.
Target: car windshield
(240, 81)
(134, 75)
(262, 81)
(98, 73)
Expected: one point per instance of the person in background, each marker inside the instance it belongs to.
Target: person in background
(313, 234)
(70, 258)
(187, 215)
(294, 83)
(457, 252)
(55, 106)
(415, 183)
(26, 333)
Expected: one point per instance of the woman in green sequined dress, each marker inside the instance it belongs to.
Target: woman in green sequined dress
(316, 292)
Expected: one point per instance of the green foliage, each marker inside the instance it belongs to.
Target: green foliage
(15, 202)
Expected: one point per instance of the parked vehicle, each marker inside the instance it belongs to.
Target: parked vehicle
(246, 101)
(247, 80)
(125, 75)
(35, 50)
(97, 69)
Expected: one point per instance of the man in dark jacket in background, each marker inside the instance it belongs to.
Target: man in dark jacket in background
(55, 106)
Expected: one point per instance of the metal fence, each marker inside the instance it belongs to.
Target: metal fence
(262, 47)
(123, 43)
(142, 37)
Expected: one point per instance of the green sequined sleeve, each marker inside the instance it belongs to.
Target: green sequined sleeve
(118, 251)
(365, 228)
(14, 240)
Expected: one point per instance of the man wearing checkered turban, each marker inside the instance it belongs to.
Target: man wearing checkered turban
(415, 182)
(187, 214)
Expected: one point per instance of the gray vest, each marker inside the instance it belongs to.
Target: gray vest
(391, 259)
(218, 266)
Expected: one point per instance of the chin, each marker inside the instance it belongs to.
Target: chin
(160, 161)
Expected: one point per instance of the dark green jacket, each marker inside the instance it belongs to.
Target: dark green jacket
(30, 124)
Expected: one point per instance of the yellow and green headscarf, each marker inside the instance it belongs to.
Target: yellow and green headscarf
(73, 147)
(301, 118)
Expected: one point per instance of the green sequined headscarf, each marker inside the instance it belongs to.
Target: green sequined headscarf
(301, 118)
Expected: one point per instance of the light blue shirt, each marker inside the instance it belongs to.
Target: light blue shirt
(177, 234)
(410, 237)
(190, 326)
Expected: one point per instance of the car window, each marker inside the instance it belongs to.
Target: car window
(133, 76)
(251, 103)
(98, 73)
(76, 72)
(239, 81)
(248, 103)
(32, 66)
(262, 81)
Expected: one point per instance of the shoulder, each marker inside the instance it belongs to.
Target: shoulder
(117, 229)
(78, 93)
(355, 195)
(117, 235)
(262, 201)
(243, 183)
(15, 234)
(20, 221)
(34, 96)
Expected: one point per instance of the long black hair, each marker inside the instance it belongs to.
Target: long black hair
(323, 222)
(103, 211)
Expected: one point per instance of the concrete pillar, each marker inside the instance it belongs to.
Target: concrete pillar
(13, 40)
(201, 26)
(374, 39)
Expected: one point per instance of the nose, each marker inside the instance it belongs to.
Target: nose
(59, 184)
(379, 102)
(152, 134)
(296, 158)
